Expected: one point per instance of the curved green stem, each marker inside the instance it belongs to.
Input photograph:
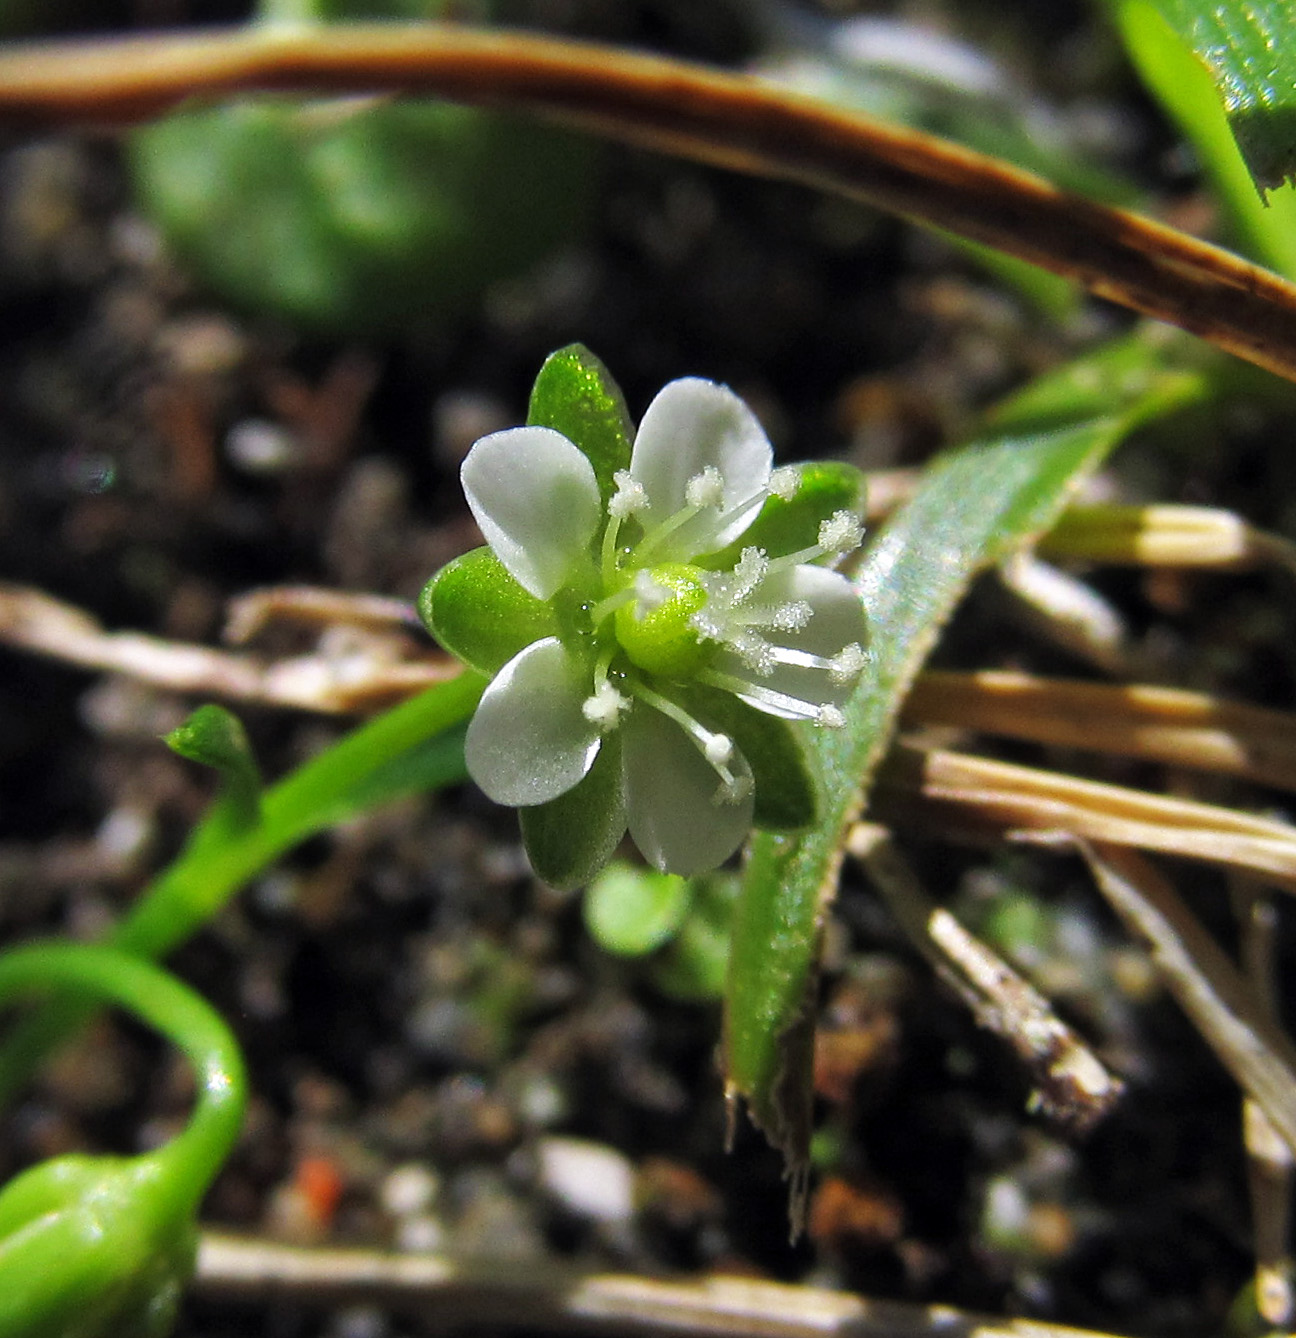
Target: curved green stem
(215, 863)
(194, 1156)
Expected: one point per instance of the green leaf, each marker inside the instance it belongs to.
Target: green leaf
(359, 216)
(631, 911)
(782, 526)
(693, 966)
(785, 790)
(976, 506)
(478, 612)
(1247, 46)
(569, 839)
(575, 394)
(1186, 89)
(215, 737)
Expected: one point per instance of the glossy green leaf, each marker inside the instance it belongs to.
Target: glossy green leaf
(357, 216)
(216, 738)
(631, 911)
(575, 394)
(785, 791)
(478, 612)
(788, 526)
(976, 506)
(569, 839)
(1247, 46)
(1265, 229)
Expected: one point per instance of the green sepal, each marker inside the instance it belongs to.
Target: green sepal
(478, 612)
(631, 911)
(569, 839)
(785, 789)
(216, 738)
(827, 486)
(575, 394)
(92, 1247)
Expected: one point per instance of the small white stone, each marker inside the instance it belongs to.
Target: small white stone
(589, 1179)
(409, 1189)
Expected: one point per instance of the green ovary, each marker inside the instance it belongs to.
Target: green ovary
(656, 632)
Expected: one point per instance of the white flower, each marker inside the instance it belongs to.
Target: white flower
(642, 615)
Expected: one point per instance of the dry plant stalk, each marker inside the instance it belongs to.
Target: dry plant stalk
(1216, 996)
(978, 798)
(346, 679)
(1159, 724)
(728, 120)
(1073, 1088)
(554, 1299)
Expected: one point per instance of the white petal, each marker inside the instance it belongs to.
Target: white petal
(689, 425)
(836, 621)
(529, 741)
(536, 499)
(674, 816)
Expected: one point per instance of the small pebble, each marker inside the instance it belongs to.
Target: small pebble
(589, 1179)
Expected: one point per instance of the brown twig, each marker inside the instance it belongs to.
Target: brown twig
(549, 1298)
(1072, 1087)
(733, 121)
(1208, 986)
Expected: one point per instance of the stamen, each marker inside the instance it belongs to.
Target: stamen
(705, 488)
(629, 497)
(763, 698)
(841, 533)
(605, 707)
(830, 717)
(785, 482)
(606, 607)
(848, 663)
(718, 749)
(749, 571)
(756, 653)
(789, 617)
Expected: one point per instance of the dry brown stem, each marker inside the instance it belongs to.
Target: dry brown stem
(729, 120)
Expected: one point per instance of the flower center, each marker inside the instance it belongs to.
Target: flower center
(656, 628)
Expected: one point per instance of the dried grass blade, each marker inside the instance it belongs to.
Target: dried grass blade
(728, 120)
(972, 796)
(1159, 724)
(1207, 985)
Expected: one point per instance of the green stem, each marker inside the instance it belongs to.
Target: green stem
(181, 1016)
(210, 870)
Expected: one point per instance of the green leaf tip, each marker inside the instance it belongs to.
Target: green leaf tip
(576, 395)
(216, 738)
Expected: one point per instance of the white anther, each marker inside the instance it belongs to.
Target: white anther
(790, 617)
(785, 482)
(705, 488)
(629, 496)
(841, 532)
(749, 571)
(718, 749)
(756, 653)
(830, 717)
(848, 663)
(605, 707)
